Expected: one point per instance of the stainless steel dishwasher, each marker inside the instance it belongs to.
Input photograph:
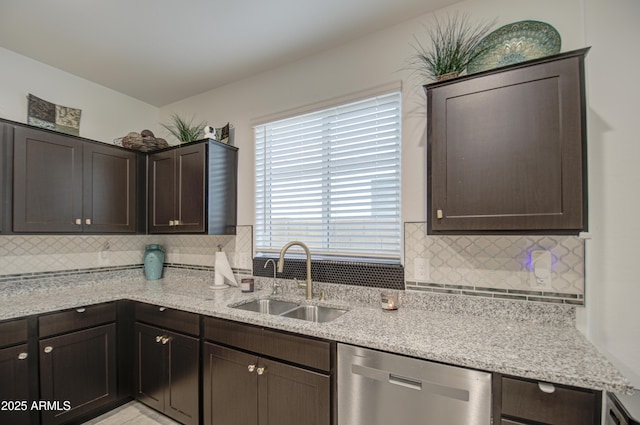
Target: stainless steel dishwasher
(376, 388)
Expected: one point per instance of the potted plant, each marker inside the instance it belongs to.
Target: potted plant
(453, 46)
(183, 130)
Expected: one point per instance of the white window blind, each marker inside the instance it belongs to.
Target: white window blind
(331, 178)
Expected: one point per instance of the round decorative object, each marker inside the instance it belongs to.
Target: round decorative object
(132, 140)
(514, 43)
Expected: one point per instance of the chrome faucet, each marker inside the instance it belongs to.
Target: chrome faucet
(309, 284)
(276, 285)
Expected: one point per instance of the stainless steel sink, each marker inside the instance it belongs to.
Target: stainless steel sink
(311, 313)
(314, 313)
(268, 306)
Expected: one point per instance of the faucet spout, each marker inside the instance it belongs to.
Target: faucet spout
(309, 284)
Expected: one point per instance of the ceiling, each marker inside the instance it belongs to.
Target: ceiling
(161, 51)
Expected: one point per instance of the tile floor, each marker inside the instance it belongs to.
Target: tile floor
(132, 413)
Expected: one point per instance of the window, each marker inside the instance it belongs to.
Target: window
(331, 179)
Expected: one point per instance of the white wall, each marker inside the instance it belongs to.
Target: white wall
(106, 114)
(613, 284)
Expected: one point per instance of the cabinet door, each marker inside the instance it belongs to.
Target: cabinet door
(289, 395)
(47, 182)
(78, 368)
(162, 191)
(183, 360)
(190, 188)
(14, 387)
(150, 366)
(229, 383)
(222, 202)
(4, 199)
(506, 150)
(109, 189)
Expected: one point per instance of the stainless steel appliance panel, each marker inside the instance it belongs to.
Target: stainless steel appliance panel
(623, 409)
(376, 388)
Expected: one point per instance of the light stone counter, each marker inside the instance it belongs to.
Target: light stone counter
(514, 338)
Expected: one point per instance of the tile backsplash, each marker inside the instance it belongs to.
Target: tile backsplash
(21, 254)
(492, 266)
(487, 266)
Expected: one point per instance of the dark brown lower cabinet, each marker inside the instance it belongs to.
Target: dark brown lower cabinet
(14, 385)
(244, 389)
(525, 402)
(167, 365)
(77, 373)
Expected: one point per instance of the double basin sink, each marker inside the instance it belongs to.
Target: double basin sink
(310, 313)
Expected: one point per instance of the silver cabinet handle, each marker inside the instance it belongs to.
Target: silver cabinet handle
(177, 222)
(251, 368)
(78, 222)
(81, 310)
(158, 338)
(261, 370)
(162, 308)
(546, 388)
(165, 340)
(439, 214)
(48, 349)
(172, 222)
(87, 221)
(22, 356)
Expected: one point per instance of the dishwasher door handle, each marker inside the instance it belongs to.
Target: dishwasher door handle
(405, 382)
(413, 383)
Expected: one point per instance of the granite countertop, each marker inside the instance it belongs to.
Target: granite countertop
(553, 352)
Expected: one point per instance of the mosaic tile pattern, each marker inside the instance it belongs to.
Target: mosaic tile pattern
(484, 266)
(390, 276)
(24, 254)
(493, 266)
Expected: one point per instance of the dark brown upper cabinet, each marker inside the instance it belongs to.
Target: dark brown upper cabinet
(192, 189)
(507, 149)
(63, 184)
(4, 167)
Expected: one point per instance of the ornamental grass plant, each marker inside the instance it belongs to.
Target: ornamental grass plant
(454, 42)
(183, 130)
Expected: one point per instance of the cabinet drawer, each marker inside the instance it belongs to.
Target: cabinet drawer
(563, 406)
(246, 337)
(78, 318)
(13, 332)
(298, 349)
(293, 348)
(168, 318)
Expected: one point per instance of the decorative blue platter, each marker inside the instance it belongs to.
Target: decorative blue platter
(514, 43)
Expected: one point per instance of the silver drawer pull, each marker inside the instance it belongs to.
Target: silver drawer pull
(87, 221)
(172, 223)
(261, 370)
(78, 222)
(48, 349)
(251, 368)
(158, 338)
(165, 340)
(162, 308)
(81, 310)
(546, 387)
(22, 356)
